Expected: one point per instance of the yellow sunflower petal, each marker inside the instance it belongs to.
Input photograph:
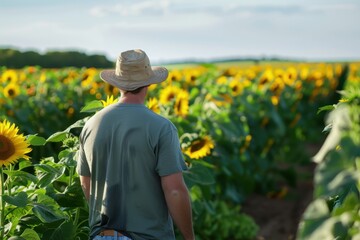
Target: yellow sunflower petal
(13, 146)
(200, 148)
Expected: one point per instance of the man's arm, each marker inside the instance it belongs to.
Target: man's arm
(85, 185)
(178, 202)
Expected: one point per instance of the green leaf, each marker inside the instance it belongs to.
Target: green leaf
(64, 153)
(199, 174)
(326, 108)
(349, 203)
(47, 213)
(60, 136)
(316, 214)
(21, 174)
(280, 126)
(58, 170)
(57, 137)
(67, 157)
(35, 140)
(20, 200)
(78, 124)
(24, 164)
(17, 238)
(92, 106)
(48, 174)
(334, 175)
(317, 209)
(30, 234)
(66, 230)
(70, 197)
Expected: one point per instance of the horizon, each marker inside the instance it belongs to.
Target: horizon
(192, 59)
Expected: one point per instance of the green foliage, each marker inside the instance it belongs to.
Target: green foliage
(42, 200)
(13, 58)
(223, 221)
(255, 133)
(335, 212)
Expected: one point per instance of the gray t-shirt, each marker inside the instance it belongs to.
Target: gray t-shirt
(126, 148)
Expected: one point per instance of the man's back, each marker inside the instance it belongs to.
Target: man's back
(125, 148)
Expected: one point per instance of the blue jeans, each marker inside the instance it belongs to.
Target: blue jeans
(115, 237)
(111, 238)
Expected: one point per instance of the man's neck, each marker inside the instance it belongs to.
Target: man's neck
(138, 98)
(131, 100)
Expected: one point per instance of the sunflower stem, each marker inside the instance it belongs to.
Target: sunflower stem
(9, 182)
(2, 205)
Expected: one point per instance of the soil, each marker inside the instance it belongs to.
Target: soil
(278, 217)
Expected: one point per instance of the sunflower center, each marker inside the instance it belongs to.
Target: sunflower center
(171, 96)
(11, 92)
(178, 105)
(85, 77)
(7, 148)
(197, 145)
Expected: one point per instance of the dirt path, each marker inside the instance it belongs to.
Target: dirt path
(278, 218)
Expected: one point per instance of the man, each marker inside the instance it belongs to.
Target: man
(130, 162)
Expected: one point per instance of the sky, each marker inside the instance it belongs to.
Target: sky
(176, 30)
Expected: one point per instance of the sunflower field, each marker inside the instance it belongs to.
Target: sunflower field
(242, 128)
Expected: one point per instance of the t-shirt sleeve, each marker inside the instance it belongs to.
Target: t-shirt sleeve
(82, 167)
(170, 159)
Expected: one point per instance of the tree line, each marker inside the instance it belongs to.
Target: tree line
(13, 58)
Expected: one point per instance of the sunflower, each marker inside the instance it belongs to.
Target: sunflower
(168, 94)
(94, 88)
(231, 71)
(110, 89)
(222, 80)
(109, 100)
(200, 148)
(277, 86)
(182, 103)
(292, 73)
(152, 87)
(236, 87)
(13, 146)
(250, 74)
(153, 105)
(11, 91)
(220, 101)
(43, 77)
(266, 77)
(191, 75)
(304, 73)
(279, 73)
(9, 76)
(275, 100)
(88, 77)
(174, 76)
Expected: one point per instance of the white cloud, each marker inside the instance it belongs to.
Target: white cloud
(132, 8)
(179, 29)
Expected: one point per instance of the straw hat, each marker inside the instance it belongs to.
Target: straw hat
(133, 70)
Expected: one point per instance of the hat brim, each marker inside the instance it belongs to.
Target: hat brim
(160, 74)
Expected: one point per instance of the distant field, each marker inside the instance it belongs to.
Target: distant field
(226, 64)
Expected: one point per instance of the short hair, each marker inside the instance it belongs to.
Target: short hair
(135, 91)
